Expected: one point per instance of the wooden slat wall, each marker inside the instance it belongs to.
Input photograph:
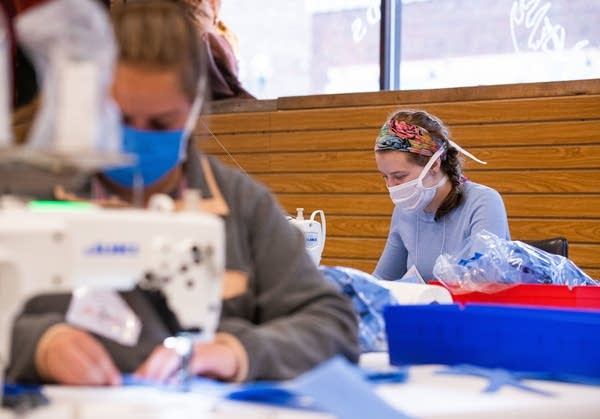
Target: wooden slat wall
(541, 142)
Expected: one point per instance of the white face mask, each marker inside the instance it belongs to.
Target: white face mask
(413, 195)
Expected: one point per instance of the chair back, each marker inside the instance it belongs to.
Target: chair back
(555, 245)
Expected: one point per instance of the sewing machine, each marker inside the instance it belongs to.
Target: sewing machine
(48, 247)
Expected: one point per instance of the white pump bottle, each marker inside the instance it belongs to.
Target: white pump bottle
(314, 232)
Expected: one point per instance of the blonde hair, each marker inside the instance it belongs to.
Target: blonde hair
(159, 34)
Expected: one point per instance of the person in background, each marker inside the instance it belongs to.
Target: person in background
(221, 46)
(279, 315)
(437, 210)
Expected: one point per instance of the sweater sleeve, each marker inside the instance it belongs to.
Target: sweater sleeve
(38, 315)
(489, 214)
(392, 262)
(301, 320)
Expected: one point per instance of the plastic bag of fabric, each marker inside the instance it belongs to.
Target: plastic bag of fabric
(368, 299)
(489, 264)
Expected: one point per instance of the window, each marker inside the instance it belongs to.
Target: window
(446, 43)
(302, 47)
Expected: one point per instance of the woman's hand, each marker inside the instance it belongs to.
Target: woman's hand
(215, 359)
(68, 355)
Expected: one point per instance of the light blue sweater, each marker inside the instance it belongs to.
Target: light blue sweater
(418, 239)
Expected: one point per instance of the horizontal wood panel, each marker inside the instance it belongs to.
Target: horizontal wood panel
(585, 255)
(234, 143)
(551, 133)
(526, 205)
(365, 265)
(241, 122)
(582, 231)
(567, 206)
(594, 273)
(524, 181)
(509, 110)
(358, 226)
(573, 157)
(338, 204)
(332, 139)
(248, 162)
(545, 89)
(348, 247)
(528, 133)
(544, 181)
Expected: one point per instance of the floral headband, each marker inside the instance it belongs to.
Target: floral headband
(402, 136)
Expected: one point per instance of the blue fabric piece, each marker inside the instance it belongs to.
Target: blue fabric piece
(397, 375)
(336, 387)
(271, 393)
(497, 377)
(368, 299)
(22, 397)
(328, 388)
(194, 384)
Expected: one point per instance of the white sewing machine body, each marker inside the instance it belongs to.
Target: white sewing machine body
(46, 251)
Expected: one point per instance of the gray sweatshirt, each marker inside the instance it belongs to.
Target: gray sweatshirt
(287, 317)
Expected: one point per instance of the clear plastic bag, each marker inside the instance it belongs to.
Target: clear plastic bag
(368, 298)
(490, 264)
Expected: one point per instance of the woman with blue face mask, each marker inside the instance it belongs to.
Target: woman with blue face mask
(437, 209)
(279, 317)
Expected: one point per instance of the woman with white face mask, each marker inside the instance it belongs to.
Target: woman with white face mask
(436, 209)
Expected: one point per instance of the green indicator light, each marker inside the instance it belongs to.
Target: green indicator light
(60, 205)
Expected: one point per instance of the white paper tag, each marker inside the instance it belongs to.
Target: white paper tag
(105, 313)
(412, 276)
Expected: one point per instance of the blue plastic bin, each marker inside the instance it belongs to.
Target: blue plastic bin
(562, 343)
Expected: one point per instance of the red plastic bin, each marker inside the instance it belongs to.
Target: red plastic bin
(536, 295)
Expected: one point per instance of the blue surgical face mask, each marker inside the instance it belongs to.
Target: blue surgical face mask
(157, 152)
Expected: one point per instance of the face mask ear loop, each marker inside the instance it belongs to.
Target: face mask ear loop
(465, 152)
(192, 120)
(429, 164)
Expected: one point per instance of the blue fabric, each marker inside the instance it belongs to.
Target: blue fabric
(335, 386)
(22, 397)
(498, 378)
(368, 299)
(310, 391)
(195, 384)
(418, 239)
(157, 152)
